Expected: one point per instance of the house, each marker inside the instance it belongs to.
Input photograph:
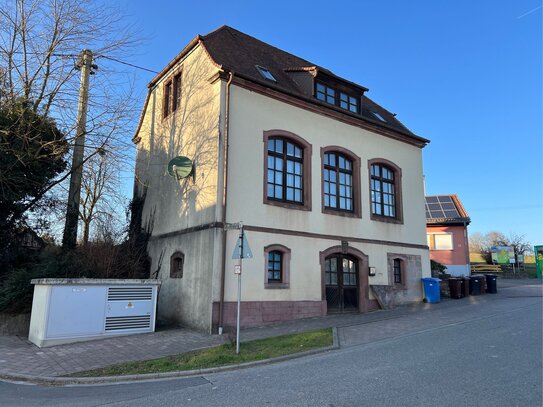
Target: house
(447, 233)
(328, 185)
(27, 239)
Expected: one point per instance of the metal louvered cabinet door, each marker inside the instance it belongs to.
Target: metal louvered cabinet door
(130, 310)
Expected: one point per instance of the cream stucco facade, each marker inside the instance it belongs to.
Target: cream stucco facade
(187, 216)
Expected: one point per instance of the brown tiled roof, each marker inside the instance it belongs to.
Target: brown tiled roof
(240, 53)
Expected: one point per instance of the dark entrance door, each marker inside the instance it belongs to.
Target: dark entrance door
(341, 280)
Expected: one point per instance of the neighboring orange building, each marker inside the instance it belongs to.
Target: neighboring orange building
(447, 233)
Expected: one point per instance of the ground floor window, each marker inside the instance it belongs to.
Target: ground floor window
(397, 265)
(277, 266)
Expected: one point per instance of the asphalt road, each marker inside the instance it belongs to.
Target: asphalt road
(490, 357)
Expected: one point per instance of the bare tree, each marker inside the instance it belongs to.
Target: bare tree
(100, 196)
(482, 243)
(40, 41)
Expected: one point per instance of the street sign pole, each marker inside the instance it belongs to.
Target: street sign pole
(239, 285)
(241, 251)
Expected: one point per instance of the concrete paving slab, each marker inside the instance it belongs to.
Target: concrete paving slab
(20, 357)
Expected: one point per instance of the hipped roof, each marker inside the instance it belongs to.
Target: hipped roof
(236, 52)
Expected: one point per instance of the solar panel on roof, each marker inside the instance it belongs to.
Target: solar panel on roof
(441, 207)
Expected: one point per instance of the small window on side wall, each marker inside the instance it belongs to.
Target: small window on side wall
(397, 271)
(277, 269)
(171, 95)
(177, 263)
(397, 264)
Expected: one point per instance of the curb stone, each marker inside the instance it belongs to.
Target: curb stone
(65, 381)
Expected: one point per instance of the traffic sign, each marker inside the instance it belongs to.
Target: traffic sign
(242, 249)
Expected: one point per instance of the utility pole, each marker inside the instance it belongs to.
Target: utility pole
(69, 238)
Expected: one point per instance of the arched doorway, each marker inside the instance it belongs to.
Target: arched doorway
(341, 283)
(344, 279)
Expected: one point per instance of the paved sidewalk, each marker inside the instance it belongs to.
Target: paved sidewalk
(20, 357)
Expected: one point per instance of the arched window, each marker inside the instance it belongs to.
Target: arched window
(277, 270)
(340, 181)
(287, 170)
(385, 191)
(177, 262)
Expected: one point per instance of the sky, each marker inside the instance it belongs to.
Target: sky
(465, 74)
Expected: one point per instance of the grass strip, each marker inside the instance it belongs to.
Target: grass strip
(221, 355)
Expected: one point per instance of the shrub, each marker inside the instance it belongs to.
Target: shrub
(94, 260)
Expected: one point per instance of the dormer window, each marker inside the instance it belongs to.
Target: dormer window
(377, 116)
(326, 94)
(266, 73)
(348, 102)
(336, 97)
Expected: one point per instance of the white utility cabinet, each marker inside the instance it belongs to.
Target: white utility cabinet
(73, 310)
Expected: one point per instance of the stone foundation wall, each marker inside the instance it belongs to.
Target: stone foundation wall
(17, 324)
(255, 313)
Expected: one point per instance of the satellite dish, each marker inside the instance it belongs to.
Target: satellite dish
(180, 167)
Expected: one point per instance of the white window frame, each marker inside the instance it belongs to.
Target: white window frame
(431, 239)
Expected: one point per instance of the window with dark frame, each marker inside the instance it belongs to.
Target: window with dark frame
(172, 95)
(325, 93)
(275, 266)
(348, 102)
(167, 98)
(177, 263)
(338, 182)
(397, 271)
(383, 194)
(331, 96)
(285, 171)
(176, 92)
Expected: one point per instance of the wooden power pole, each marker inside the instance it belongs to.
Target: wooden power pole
(69, 239)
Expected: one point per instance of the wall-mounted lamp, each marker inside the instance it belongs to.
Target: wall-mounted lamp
(372, 271)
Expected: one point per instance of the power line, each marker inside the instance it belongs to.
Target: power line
(129, 64)
(77, 55)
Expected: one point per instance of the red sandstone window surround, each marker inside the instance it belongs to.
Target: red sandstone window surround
(385, 179)
(287, 170)
(340, 183)
(277, 266)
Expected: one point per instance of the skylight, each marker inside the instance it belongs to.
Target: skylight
(266, 73)
(377, 115)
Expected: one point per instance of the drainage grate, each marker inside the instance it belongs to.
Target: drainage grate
(134, 322)
(130, 294)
